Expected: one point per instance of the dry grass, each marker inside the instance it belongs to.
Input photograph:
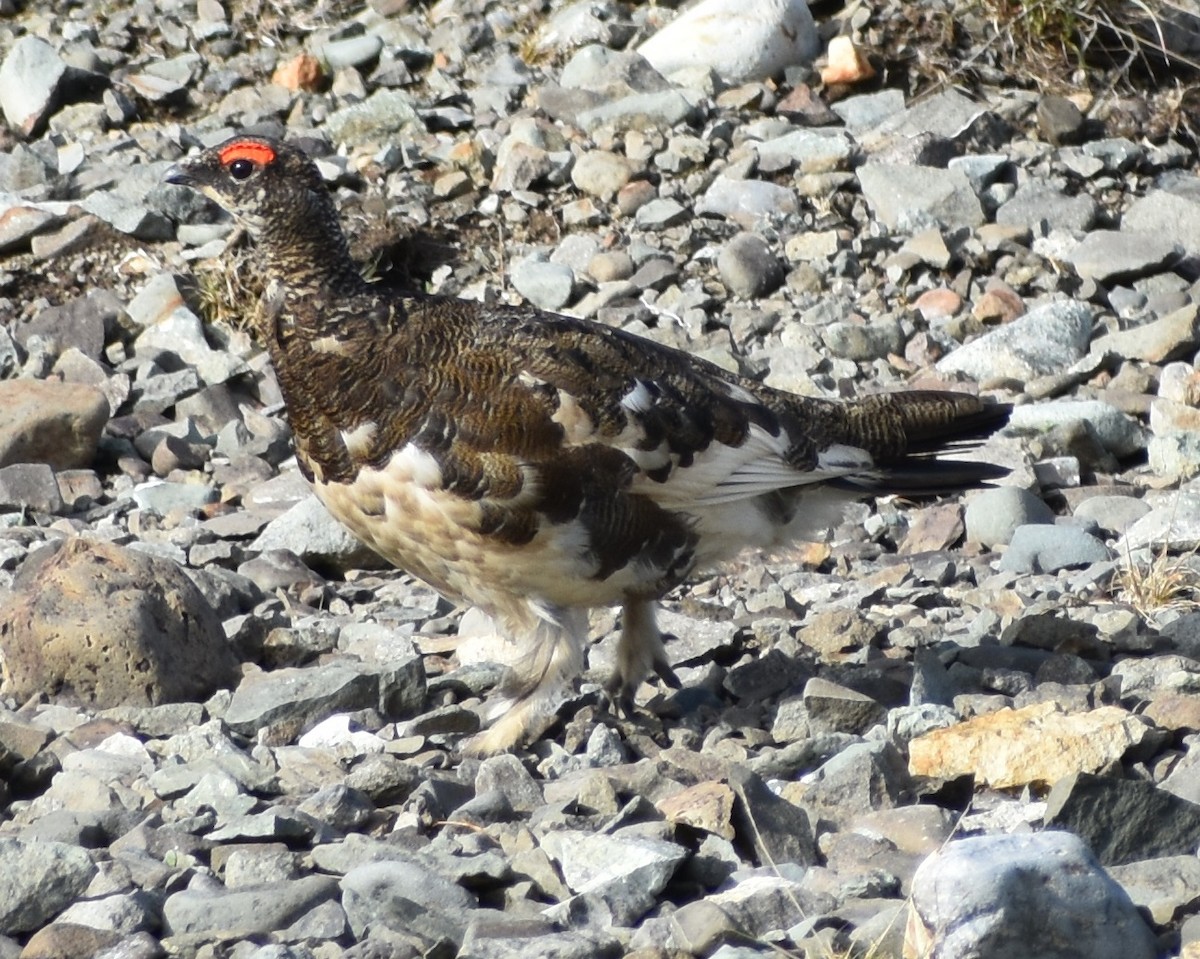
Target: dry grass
(229, 291)
(1107, 51)
(1053, 39)
(1164, 582)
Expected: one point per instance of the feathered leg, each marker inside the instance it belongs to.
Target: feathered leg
(555, 640)
(640, 651)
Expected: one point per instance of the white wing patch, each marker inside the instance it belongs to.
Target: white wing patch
(411, 464)
(577, 425)
(725, 474)
(844, 459)
(358, 440)
(327, 344)
(640, 399)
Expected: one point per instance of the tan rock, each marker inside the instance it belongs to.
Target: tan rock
(302, 72)
(102, 625)
(1034, 745)
(934, 528)
(1177, 711)
(707, 806)
(46, 421)
(68, 940)
(846, 63)
(998, 304)
(938, 304)
(1175, 333)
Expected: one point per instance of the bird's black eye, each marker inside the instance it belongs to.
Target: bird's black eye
(240, 169)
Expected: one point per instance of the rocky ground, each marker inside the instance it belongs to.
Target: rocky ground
(225, 730)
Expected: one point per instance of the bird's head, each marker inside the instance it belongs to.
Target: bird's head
(264, 182)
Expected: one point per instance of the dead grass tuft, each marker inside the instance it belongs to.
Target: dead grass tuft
(229, 291)
(1102, 52)
(1164, 582)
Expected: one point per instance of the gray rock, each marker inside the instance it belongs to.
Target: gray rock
(833, 707)
(867, 110)
(1124, 820)
(30, 486)
(1117, 432)
(1060, 120)
(163, 498)
(82, 324)
(639, 111)
(623, 871)
(1042, 205)
(600, 69)
(1156, 341)
(1112, 256)
(864, 342)
(1166, 214)
(406, 897)
(755, 44)
(38, 880)
(339, 806)
(549, 286)
(383, 115)
(1034, 896)
(247, 911)
(1174, 454)
(169, 326)
(126, 913)
(601, 173)
(1112, 514)
(352, 51)
(748, 267)
(981, 170)
(19, 223)
(1048, 549)
(259, 827)
(31, 79)
(809, 151)
(861, 777)
(506, 775)
(122, 213)
(660, 214)
(1046, 340)
(907, 198)
(778, 831)
(1162, 886)
(759, 901)
(308, 530)
(577, 24)
(949, 115)
(503, 937)
(993, 515)
(747, 202)
(1143, 677)
(299, 698)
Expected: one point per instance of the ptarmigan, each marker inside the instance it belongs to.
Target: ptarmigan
(535, 464)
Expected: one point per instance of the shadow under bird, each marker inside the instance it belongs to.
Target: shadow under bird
(537, 465)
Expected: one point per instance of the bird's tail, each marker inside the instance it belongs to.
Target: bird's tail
(908, 433)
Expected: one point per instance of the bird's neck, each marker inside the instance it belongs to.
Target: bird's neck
(308, 254)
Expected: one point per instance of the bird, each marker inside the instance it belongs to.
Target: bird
(537, 465)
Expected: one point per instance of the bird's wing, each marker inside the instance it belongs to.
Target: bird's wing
(696, 434)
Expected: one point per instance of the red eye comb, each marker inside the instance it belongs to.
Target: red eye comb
(258, 153)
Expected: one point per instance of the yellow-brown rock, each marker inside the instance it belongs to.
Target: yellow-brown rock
(1034, 745)
(48, 421)
(102, 625)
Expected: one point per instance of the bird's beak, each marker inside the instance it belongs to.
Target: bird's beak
(179, 175)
